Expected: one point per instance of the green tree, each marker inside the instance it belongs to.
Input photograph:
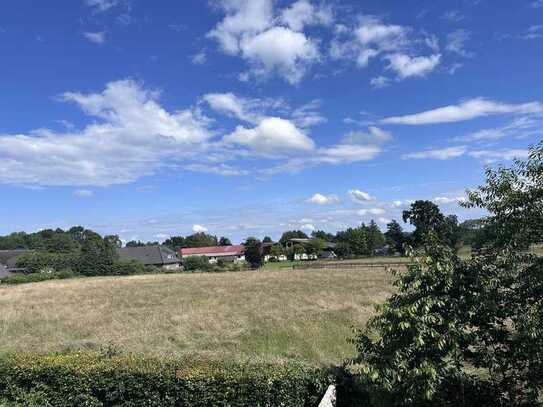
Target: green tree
(395, 237)
(224, 241)
(201, 239)
(276, 250)
(320, 234)
(253, 252)
(376, 239)
(451, 317)
(426, 217)
(356, 239)
(267, 239)
(292, 234)
(176, 242)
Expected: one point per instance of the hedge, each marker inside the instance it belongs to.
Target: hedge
(90, 379)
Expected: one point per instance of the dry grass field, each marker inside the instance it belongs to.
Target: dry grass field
(303, 315)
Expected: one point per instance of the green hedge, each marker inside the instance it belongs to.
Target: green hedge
(85, 379)
(37, 277)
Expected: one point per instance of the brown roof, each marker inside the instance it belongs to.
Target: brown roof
(234, 250)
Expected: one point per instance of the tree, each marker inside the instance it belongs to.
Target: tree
(267, 239)
(253, 252)
(201, 239)
(395, 237)
(176, 242)
(320, 234)
(426, 217)
(224, 241)
(356, 239)
(450, 316)
(376, 239)
(276, 250)
(294, 250)
(315, 246)
(292, 234)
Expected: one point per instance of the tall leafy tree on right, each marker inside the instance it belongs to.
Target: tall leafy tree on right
(467, 332)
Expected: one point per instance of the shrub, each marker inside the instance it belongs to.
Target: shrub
(129, 267)
(194, 263)
(36, 261)
(37, 277)
(84, 379)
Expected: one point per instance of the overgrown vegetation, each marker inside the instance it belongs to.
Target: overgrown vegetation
(87, 379)
(467, 332)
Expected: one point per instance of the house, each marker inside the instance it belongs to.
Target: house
(327, 251)
(8, 261)
(158, 256)
(234, 253)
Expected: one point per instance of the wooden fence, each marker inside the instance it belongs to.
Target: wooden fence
(348, 266)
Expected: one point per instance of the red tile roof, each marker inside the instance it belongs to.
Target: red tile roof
(234, 250)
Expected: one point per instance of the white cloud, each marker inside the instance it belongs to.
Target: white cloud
(406, 66)
(229, 104)
(218, 169)
(83, 193)
(307, 115)
(280, 49)
(308, 226)
(399, 45)
(536, 4)
(445, 200)
(302, 13)
(490, 156)
(96, 37)
(533, 32)
(199, 229)
(372, 211)
(519, 127)
(200, 58)
(321, 199)
(383, 221)
(248, 30)
(102, 5)
(273, 135)
(359, 196)
(454, 16)
(438, 154)
(456, 43)
(131, 137)
(375, 135)
(380, 82)
(467, 110)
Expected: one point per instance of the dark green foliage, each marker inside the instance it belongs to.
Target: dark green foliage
(361, 241)
(267, 239)
(292, 234)
(467, 332)
(426, 217)
(175, 242)
(138, 243)
(253, 252)
(34, 262)
(224, 241)
(130, 267)
(37, 277)
(327, 237)
(395, 238)
(97, 380)
(201, 239)
(196, 263)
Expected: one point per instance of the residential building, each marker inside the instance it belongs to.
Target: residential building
(8, 261)
(234, 253)
(158, 256)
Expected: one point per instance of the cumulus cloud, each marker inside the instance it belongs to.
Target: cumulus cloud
(273, 135)
(437, 154)
(133, 134)
(248, 30)
(406, 66)
(96, 37)
(321, 199)
(231, 105)
(467, 110)
(302, 13)
(372, 38)
(359, 196)
(199, 229)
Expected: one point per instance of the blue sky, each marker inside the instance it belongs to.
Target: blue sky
(250, 117)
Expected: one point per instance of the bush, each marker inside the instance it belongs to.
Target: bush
(193, 263)
(84, 379)
(129, 267)
(37, 277)
(36, 261)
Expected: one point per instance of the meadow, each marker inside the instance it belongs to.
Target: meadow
(260, 315)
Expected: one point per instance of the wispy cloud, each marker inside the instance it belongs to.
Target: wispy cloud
(437, 154)
(83, 193)
(96, 37)
(467, 110)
